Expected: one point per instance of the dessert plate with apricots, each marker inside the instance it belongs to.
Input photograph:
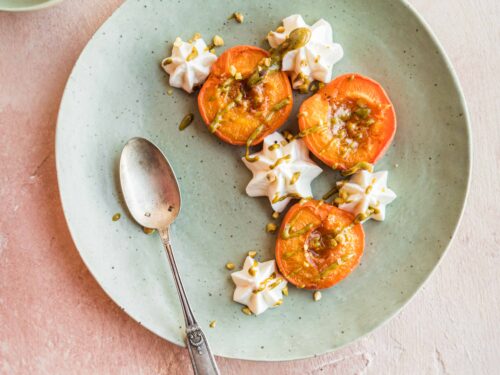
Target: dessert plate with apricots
(322, 152)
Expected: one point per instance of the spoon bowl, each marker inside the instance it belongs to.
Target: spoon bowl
(149, 184)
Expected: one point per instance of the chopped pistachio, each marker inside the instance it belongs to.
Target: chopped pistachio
(238, 17)
(305, 200)
(212, 50)
(252, 271)
(317, 296)
(288, 136)
(230, 266)
(340, 238)
(238, 76)
(232, 70)
(246, 311)
(285, 291)
(362, 112)
(186, 121)
(252, 253)
(280, 29)
(333, 243)
(218, 41)
(148, 230)
(116, 216)
(271, 228)
(279, 302)
(193, 54)
(195, 37)
(170, 92)
(361, 217)
(212, 324)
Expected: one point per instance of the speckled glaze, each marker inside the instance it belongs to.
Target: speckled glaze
(117, 91)
(26, 5)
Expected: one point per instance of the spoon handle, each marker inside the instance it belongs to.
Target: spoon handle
(201, 356)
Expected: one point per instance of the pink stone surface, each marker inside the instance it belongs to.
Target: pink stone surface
(54, 317)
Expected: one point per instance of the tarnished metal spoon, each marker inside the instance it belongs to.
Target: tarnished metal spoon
(154, 200)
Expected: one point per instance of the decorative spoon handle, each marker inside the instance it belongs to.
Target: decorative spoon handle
(201, 356)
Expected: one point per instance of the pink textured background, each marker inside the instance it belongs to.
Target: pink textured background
(55, 319)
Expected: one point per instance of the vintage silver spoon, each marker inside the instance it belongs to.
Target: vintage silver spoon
(154, 200)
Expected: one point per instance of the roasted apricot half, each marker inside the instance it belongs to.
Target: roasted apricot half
(238, 108)
(348, 121)
(318, 245)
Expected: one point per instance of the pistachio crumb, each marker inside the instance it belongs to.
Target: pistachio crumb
(238, 76)
(280, 29)
(186, 121)
(246, 311)
(195, 37)
(285, 291)
(116, 216)
(238, 17)
(271, 228)
(230, 266)
(212, 50)
(232, 70)
(252, 253)
(279, 302)
(193, 54)
(213, 323)
(218, 41)
(275, 215)
(170, 92)
(148, 230)
(288, 136)
(317, 296)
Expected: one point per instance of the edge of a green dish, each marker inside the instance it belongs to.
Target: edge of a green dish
(463, 103)
(43, 5)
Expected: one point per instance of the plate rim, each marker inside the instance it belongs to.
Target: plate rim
(383, 322)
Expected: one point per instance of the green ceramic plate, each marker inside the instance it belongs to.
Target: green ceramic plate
(117, 91)
(25, 5)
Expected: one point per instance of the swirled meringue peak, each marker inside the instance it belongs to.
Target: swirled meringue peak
(259, 286)
(315, 60)
(282, 171)
(189, 64)
(366, 193)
